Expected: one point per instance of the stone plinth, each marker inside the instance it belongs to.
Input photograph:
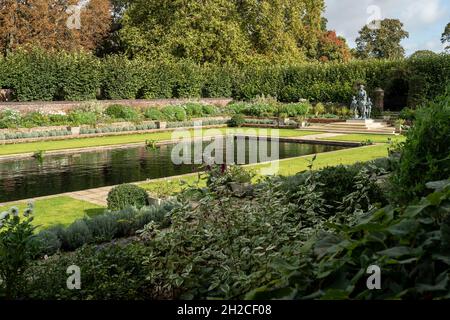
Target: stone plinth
(364, 123)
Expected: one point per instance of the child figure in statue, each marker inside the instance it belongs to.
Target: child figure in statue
(354, 107)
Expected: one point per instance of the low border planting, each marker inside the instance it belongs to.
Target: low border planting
(101, 228)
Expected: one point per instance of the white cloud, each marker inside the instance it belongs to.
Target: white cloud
(423, 19)
(425, 12)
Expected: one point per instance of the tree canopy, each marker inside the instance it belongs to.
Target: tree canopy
(445, 39)
(44, 23)
(383, 42)
(222, 30)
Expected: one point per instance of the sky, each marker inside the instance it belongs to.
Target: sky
(425, 20)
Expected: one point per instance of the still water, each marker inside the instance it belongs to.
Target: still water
(29, 178)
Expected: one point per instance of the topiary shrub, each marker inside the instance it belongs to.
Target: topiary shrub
(127, 195)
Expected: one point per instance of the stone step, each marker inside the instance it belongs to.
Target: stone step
(356, 126)
(386, 130)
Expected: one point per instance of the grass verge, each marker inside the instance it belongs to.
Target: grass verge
(58, 210)
(10, 149)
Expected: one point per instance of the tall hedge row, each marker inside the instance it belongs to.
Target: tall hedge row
(39, 75)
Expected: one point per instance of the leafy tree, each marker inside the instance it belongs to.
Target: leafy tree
(423, 53)
(222, 31)
(199, 30)
(383, 42)
(44, 23)
(446, 36)
(333, 48)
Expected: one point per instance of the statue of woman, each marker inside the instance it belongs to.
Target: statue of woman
(362, 101)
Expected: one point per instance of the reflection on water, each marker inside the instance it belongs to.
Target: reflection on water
(27, 178)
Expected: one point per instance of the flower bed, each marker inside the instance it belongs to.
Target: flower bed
(40, 134)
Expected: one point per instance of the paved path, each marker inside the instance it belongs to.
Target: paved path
(97, 196)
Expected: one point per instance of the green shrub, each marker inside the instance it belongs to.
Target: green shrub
(108, 273)
(10, 118)
(237, 107)
(17, 249)
(194, 110)
(122, 77)
(76, 235)
(295, 109)
(102, 228)
(236, 121)
(127, 195)
(218, 82)
(209, 110)
(35, 119)
(48, 242)
(153, 114)
(410, 245)
(319, 109)
(174, 113)
(117, 111)
(425, 155)
(32, 74)
(407, 114)
(78, 117)
(189, 80)
(79, 76)
(158, 81)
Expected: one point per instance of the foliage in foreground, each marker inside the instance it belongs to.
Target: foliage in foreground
(425, 155)
(411, 246)
(16, 249)
(219, 245)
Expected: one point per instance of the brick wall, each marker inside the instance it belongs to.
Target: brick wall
(57, 106)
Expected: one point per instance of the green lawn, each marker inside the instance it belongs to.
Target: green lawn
(58, 210)
(123, 139)
(170, 186)
(345, 156)
(376, 138)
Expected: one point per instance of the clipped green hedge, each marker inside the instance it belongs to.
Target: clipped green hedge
(40, 75)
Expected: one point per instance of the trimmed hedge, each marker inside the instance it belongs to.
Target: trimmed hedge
(39, 75)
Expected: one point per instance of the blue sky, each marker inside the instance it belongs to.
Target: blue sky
(425, 20)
